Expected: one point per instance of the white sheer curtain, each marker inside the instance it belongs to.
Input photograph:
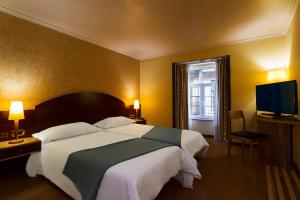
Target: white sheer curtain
(216, 111)
(190, 121)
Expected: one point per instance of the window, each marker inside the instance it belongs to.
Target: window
(202, 85)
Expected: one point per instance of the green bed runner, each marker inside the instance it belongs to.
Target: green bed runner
(167, 135)
(86, 168)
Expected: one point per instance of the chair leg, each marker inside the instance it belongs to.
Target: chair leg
(252, 152)
(229, 146)
(243, 147)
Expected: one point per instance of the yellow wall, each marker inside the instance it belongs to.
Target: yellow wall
(249, 63)
(293, 44)
(37, 64)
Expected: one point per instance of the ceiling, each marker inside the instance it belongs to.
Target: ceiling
(146, 29)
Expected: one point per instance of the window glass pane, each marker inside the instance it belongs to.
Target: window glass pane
(195, 91)
(207, 102)
(195, 110)
(209, 112)
(195, 101)
(194, 76)
(208, 75)
(208, 91)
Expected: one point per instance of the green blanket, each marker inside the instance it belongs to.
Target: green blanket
(167, 135)
(86, 168)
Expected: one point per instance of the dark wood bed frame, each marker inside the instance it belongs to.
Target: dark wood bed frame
(83, 106)
(78, 107)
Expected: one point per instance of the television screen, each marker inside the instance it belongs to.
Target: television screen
(277, 97)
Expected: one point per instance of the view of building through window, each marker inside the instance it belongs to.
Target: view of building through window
(202, 87)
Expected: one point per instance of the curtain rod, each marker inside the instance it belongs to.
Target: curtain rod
(201, 60)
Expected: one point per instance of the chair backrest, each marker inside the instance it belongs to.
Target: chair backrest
(235, 115)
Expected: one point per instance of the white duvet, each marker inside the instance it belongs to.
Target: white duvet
(191, 141)
(139, 178)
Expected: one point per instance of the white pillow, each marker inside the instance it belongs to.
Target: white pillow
(112, 122)
(65, 131)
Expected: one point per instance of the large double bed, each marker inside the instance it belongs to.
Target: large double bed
(65, 126)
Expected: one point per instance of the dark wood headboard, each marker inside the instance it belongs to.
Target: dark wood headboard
(86, 106)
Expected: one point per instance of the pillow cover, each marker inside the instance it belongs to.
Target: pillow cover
(112, 122)
(65, 131)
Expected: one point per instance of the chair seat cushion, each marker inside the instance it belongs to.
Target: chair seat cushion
(249, 134)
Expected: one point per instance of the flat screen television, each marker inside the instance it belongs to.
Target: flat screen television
(278, 98)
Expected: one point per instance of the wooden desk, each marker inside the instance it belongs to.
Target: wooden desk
(281, 132)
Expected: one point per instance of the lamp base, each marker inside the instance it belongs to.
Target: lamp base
(136, 114)
(15, 141)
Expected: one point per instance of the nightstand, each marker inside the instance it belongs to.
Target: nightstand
(140, 121)
(10, 151)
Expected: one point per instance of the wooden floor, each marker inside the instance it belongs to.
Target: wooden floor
(223, 178)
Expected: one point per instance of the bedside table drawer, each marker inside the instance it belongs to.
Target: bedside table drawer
(19, 150)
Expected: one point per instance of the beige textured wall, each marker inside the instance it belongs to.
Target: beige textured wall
(293, 44)
(37, 64)
(249, 63)
(205, 127)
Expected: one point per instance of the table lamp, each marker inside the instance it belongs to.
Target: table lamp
(16, 113)
(136, 106)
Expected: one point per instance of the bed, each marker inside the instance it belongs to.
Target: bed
(131, 179)
(192, 141)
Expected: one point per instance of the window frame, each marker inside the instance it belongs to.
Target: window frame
(201, 87)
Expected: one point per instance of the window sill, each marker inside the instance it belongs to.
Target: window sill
(202, 119)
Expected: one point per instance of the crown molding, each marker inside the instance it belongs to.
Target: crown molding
(235, 42)
(62, 30)
(293, 8)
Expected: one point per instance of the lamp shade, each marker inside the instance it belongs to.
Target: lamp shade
(136, 104)
(16, 110)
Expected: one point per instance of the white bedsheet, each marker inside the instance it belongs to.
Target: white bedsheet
(139, 178)
(191, 141)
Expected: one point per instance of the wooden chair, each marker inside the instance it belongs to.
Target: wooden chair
(246, 137)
